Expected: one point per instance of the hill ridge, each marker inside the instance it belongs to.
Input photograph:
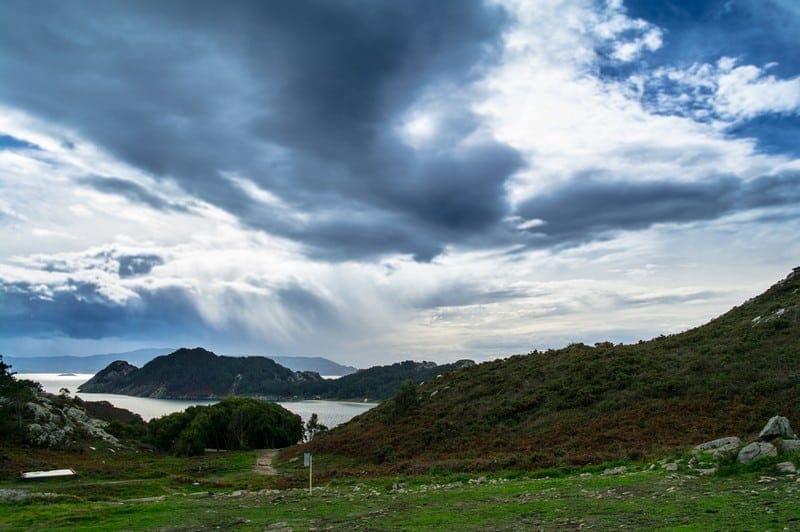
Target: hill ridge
(582, 404)
(201, 374)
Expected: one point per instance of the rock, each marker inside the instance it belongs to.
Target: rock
(707, 471)
(756, 451)
(719, 446)
(786, 468)
(673, 466)
(621, 470)
(10, 495)
(280, 527)
(789, 446)
(777, 427)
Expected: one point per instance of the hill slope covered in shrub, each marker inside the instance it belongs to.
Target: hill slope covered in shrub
(584, 404)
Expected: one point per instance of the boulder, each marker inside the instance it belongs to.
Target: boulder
(777, 427)
(786, 468)
(756, 451)
(789, 446)
(719, 446)
(620, 470)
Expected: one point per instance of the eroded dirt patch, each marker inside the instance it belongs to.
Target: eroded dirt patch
(264, 462)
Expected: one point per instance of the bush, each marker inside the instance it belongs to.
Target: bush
(234, 423)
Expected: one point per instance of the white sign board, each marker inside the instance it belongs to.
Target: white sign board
(306, 459)
(48, 474)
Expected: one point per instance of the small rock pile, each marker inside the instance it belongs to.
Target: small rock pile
(776, 438)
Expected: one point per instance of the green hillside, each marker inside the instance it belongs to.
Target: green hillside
(585, 404)
(197, 373)
(200, 374)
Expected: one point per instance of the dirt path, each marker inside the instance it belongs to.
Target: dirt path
(264, 462)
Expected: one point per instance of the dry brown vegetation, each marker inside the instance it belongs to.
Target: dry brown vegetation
(587, 404)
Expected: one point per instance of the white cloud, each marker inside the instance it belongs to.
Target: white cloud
(547, 100)
(746, 91)
(725, 93)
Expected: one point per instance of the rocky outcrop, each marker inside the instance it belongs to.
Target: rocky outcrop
(777, 427)
(720, 446)
(776, 438)
(57, 425)
(789, 446)
(756, 451)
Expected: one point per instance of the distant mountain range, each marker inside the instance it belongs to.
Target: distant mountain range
(81, 364)
(200, 374)
(323, 366)
(140, 357)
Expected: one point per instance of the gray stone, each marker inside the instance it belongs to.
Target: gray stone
(671, 466)
(789, 446)
(621, 470)
(777, 427)
(10, 495)
(721, 445)
(786, 468)
(756, 451)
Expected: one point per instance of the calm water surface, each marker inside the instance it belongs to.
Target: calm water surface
(330, 413)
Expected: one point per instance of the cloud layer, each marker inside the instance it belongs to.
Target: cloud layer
(390, 179)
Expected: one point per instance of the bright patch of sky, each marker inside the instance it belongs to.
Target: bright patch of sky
(386, 182)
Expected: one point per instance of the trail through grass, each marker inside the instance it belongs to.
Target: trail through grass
(224, 490)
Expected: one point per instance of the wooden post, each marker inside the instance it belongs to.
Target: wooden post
(310, 469)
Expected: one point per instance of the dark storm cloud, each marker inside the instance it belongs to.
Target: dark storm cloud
(80, 310)
(588, 208)
(303, 98)
(130, 191)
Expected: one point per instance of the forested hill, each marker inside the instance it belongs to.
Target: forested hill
(200, 374)
(381, 382)
(585, 404)
(197, 373)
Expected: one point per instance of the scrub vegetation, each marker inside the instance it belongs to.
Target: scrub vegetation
(587, 404)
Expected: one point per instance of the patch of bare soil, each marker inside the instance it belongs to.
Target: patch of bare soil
(264, 462)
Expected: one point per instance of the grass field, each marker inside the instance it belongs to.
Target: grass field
(139, 491)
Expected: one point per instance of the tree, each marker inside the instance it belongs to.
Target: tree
(313, 427)
(17, 393)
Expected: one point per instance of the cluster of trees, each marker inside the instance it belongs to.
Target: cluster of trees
(234, 423)
(14, 395)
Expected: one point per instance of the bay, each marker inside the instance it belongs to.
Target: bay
(330, 413)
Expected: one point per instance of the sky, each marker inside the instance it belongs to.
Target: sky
(374, 181)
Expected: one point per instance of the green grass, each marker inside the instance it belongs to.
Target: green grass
(644, 498)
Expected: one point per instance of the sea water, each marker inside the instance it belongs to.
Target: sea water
(330, 413)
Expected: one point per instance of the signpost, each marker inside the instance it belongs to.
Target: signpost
(309, 463)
